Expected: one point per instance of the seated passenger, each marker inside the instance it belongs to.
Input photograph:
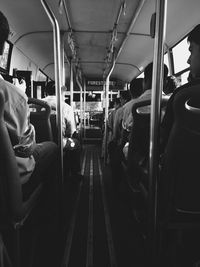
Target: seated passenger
(36, 162)
(171, 84)
(110, 125)
(194, 79)
(127, 122)
(111, 117)
(113, 148)
(136, 89)
(71, 143)
(125, 96)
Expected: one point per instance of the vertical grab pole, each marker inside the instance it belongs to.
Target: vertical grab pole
(84, 107)
(71, 83)
(157, 85)
(106, 105)
(62, 61)
(81, 104)
(81, 100)
(57, 69)
(106, 117)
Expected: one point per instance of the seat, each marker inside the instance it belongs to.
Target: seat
(40, 117)
(139, 137)
(138, 152)
(179, 184)
(54, 128)
(13, 210)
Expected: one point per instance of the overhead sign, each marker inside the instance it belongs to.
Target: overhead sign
(99, 83)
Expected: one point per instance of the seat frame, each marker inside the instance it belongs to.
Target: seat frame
(184, 140)
(40, 118)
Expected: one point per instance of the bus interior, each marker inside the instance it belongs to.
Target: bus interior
(95, 49)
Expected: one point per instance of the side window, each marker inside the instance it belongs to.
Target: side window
(141, 75)
(180, 56)
(166, 61)
(184, 77)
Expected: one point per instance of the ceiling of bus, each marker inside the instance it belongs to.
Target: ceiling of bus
(92, 23)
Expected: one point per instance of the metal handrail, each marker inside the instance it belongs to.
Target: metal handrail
(135, 16)
(71, 82)
(57, 69)
(81, 100)
(157, 85)
(106, 88)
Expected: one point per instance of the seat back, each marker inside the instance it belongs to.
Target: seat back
(179, 181)
(139, 143)
(40, 118)
(139, 138)
(140, 132)
(54, 128)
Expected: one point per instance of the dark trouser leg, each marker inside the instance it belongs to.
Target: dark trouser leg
(46, 158)
(75, 161)
(115, 164)
(72, 158)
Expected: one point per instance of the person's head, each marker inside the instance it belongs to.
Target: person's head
(125, 96)
(50, 88)
(4, 31)
(111, 104)
(117, 103)
(190, 77)
(20, 83)
(194, 48)
(171, 84)
(148, 73)
(136, 87)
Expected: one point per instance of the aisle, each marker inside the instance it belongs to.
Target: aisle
(101, 230)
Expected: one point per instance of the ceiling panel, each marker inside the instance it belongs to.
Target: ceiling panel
(92, 23)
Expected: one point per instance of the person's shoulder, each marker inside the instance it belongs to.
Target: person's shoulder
(129, 103)
(120, 110)
(12, 92)
(185, 87)
(67, 106)
(128, 106)
(5, 84)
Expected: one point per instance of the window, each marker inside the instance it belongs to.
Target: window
(39, 92)
(181, 55)
(5, 58)
(41, 76)
(166, 60)
(184, 77)
(76, 97)
(141, 75)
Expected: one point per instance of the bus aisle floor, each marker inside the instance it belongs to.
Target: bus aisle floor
(100, 229)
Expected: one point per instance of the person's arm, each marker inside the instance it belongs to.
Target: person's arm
(69, 125)
(124, 137)
(116, 125)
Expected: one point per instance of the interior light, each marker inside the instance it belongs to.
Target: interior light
(60, 6)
